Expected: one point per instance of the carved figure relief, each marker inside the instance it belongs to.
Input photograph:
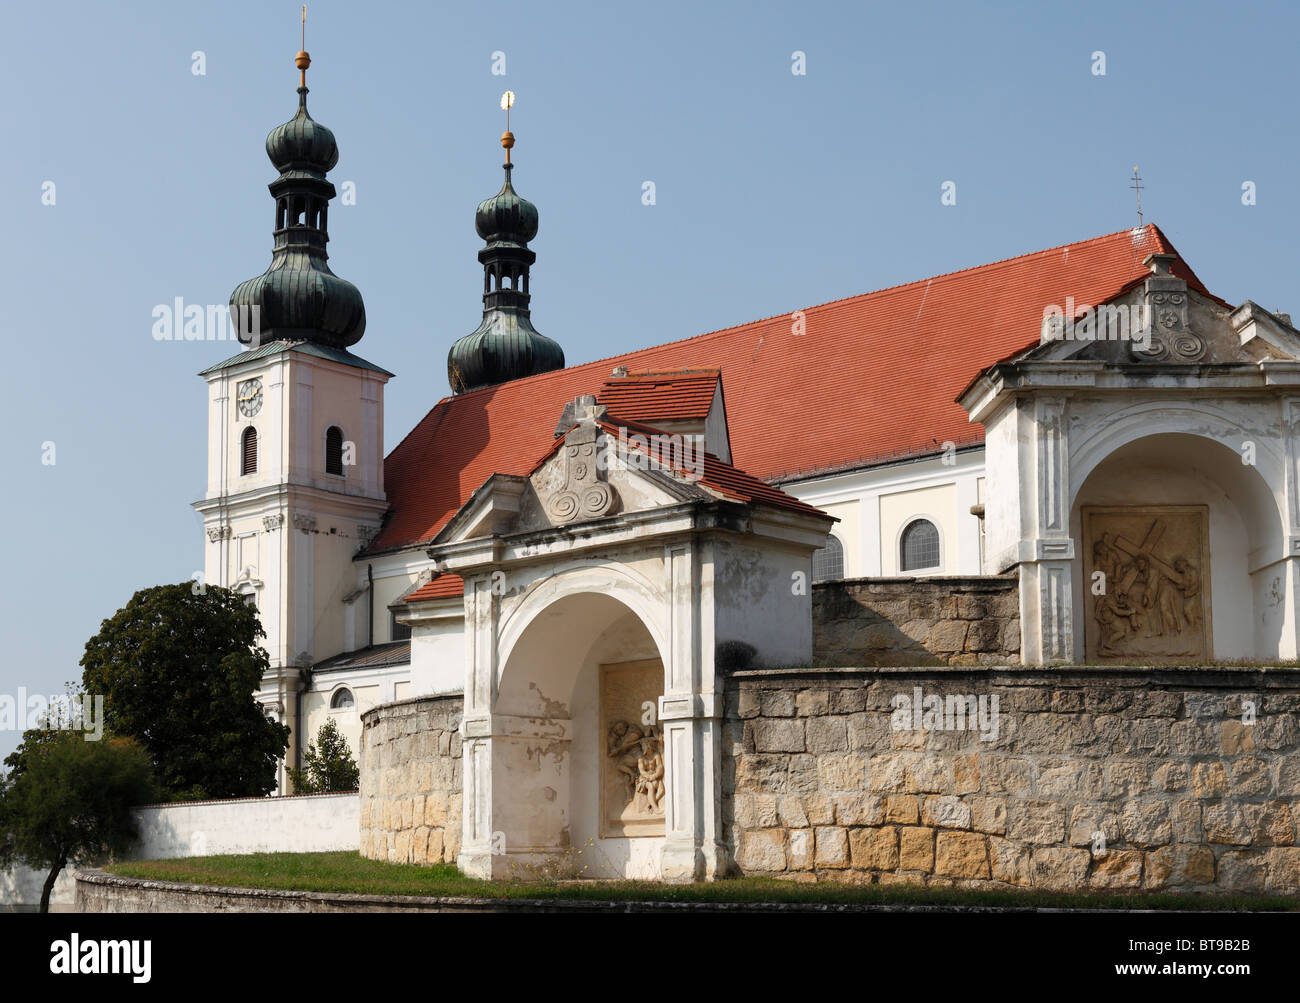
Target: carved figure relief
(1146, 583)
(632, 775)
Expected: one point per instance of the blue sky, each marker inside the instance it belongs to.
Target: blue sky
(773, 191)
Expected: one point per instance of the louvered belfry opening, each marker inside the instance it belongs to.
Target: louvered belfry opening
(248, 452)
(334, 450)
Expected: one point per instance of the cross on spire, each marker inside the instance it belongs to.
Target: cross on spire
(1137, 187)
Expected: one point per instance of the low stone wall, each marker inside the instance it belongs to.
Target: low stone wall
(300, 823)
(1078, 778)
(411, 780)
(917, 621)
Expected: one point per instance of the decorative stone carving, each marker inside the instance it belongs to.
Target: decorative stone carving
(306, 523)
(216, 533)
(1165, 301)
(1146, 583)
(273, 522)
(632, 777)
(582, 494)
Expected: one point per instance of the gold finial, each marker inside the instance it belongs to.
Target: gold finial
(302, 60)
(507, 137)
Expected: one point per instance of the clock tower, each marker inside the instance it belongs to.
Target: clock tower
(295, 434)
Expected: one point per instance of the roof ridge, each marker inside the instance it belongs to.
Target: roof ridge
(1147, 229)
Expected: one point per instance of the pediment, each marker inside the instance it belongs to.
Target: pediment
(593, 473)
(1161, 322)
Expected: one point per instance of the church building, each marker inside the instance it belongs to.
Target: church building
(579, 557)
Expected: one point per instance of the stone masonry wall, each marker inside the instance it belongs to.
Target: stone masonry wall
(917, 621)
(1187, 790)
(411, 780)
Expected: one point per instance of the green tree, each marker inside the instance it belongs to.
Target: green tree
(178, 667)
(328, 766)
(68, 801)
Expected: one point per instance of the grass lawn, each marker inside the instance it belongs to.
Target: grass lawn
(350, 872)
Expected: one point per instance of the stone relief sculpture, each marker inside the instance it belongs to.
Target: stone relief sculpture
(1145, 583)
(632, 771)
(639, 759)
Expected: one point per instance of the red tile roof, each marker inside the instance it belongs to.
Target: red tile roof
(438, 587)
(870, 377)
(655, 397)
(716, 474)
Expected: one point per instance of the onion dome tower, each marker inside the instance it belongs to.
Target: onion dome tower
(299, 298)
(505, 346)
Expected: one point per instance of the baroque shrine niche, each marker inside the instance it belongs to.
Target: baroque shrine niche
(632, 775)
(1147, 583)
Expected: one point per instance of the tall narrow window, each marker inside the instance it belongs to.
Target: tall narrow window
(248, 451)
(828, 562)
(919, 546)
(334, 450)
(398, 631)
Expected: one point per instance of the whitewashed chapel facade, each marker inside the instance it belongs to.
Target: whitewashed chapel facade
(588, 613)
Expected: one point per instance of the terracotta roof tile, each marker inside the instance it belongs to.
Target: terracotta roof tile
(652, 397)
(871, 376)
(438, 587)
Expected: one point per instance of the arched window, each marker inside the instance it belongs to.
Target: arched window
(342, 699)
(334, 450)
(828, 562)
(919, 546)
(248, 451)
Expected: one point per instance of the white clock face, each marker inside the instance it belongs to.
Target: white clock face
(249, 397)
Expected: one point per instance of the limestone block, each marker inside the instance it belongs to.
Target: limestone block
(827, 734)
(1209, 780)
(1226, 823)
(1088, 820)
(762, 850)
(1177, 866)
(803, 775)
(902, 808)
(989, 814)
(1248, 775)
(801, 850)
(1284, 869)
(966, 773)
(1236, 738)
(832, 848)
(1010, 862)
(812, 703)
(874, 849)
(1188, 826)
(1117, 869)
(1128, 778)
(1288, 776)
(777, 703)
(859, 809)
(820, 809)
(1006, 775)
(960, 854)
(870, 732)
(889, 774)
(1060, 868)
(778, 735)
(848, 700)
(1037, 822)
(1271, 823)
(946, 812)
(916, 849)
(791, 812)
(1145, 823)
(769, 773)
(1243, 870)
(947, 636)
(1171, 777)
